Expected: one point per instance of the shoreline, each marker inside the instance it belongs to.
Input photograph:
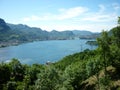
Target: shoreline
(15, 43)
(7, 44)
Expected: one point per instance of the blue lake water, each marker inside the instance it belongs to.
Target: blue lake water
(43, 51)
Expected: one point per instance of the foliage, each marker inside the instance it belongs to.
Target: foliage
(92, 43)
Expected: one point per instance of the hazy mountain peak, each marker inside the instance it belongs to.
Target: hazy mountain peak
(3, 26)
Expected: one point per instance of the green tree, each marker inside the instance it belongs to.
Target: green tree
(74, 75)
(32, 72)
(4, 74)
(11, 85)
(93, 67)
(17, 70)
(47, 80)
(104, 48)
(115, 47)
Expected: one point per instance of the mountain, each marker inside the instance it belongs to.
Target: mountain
(18, 33)
(60, 35)
(84, 34)
(39, 34)
(13, 34)
(3, 26)
(5, 31)
(31, 33)
(81, 32)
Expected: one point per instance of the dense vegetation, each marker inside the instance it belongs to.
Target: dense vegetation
(88, 70)
(92, 43)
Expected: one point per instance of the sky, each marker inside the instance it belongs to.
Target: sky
(60, 15)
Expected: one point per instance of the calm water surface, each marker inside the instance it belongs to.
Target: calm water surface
(43, 51)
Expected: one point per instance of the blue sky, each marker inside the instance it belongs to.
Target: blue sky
(92, 15)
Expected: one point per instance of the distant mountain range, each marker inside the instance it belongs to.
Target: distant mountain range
(81, 32)
(11, 33)
(84, 34)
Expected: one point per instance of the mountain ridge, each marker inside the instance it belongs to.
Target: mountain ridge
(3, 26)
(20, 33)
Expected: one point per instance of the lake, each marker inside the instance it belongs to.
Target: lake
(43, 51)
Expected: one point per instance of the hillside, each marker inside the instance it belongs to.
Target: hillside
(7, 36)
(14, 34)
(11, 34)
(3, 26)
(83, 34)
(31, 33)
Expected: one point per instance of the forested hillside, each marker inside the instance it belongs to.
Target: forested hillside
(11, 34)
(88, 70)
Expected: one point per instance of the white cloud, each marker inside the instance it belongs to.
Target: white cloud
(101, 15)
(80, 18)
(63, 14)
(101, 18)
(71, 12)
(116, 6)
